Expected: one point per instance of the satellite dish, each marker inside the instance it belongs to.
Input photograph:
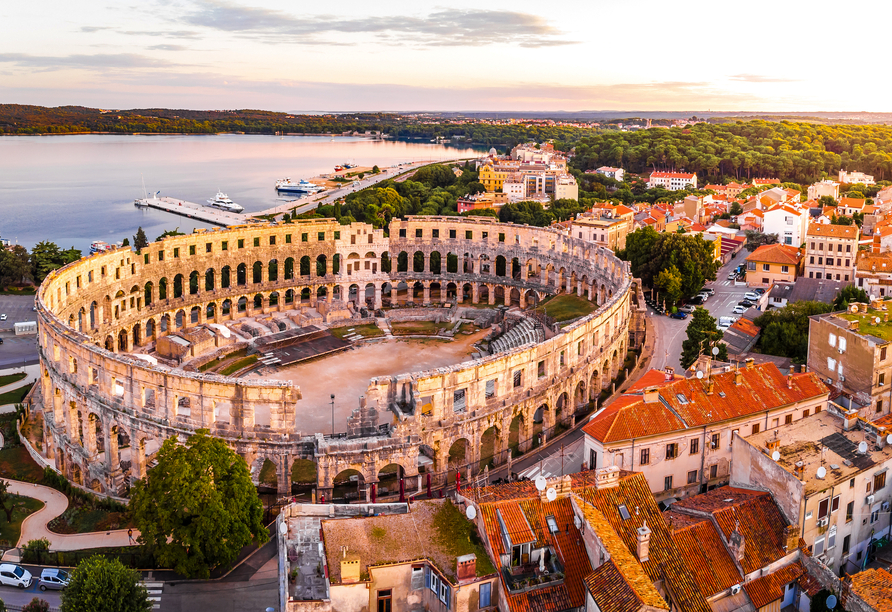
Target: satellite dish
(551, 494)
(889, 439)
(822, 472)
(862, 447)
(283, 528)
(715, 350)
(876, 320)
(831, 602)
(775, 456)
(699, 374)
(540, 482)
(471, 513)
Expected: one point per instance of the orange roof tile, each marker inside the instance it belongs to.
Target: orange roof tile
(874, 262)
(515, 523)
(746, 326)
(852, 203)
(704, 552)
(762, 387)
(671, 175)
(833, 231)
(776, 253)
(874, 586)
(766, 589)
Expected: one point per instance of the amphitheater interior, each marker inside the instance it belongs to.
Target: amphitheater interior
(131, 345)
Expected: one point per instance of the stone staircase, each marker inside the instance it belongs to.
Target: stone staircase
(528, 331)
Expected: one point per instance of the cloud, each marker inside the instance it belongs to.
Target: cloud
(169, 33)
(90, 29)
(441, 28)
(758, 78)
(99, 61)
(167, 48)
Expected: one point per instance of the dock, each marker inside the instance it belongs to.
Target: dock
(195, 211)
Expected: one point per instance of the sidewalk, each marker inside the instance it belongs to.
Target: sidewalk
(32, 373)
(35, 525)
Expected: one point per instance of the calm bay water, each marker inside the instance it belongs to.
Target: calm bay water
(73, 190)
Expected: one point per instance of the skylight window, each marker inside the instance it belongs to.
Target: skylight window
(624, 512)
(721, 394)
(681, 398)
(552, 524)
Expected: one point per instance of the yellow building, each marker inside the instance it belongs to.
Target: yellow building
(772, 263)
(607, 232)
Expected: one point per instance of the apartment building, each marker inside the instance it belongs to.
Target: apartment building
(830, 251)
(823, 188)
(828, 475)
(772, 263)
(609, 172)
(673, 181)
(855, 177)
(677, 431)
(874, 274)
(786, 222)
(851, 351)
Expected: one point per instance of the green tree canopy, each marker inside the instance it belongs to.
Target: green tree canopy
(849, 294)
(668, 283)
(827, 201)
(756, 239)
(15, 266)
(785, 330)
(692, 257)
(703, 335)
(197, 508)
(46, 257)
(100, 584)
(140, 241)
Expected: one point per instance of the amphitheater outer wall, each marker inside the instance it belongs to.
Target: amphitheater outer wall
(92, 312)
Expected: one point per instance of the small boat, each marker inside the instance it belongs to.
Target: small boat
(100, 246)
(222, 201)
(303, 186)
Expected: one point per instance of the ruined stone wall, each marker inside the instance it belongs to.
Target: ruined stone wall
(94, 312)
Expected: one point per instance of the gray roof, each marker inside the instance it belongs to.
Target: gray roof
(809, 289)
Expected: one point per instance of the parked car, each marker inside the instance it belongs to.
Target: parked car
(2, 317)
(759, 290)
(687, 308)
(749, 295)
(15, 575)
(696, 300)
(53, 578)
(679, 315)
(703, 295)
(732, 275)
(739, 309)
(708, 291)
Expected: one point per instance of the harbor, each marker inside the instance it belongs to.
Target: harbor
(192, 210)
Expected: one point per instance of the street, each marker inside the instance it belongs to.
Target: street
(17, 350)
(20, 597)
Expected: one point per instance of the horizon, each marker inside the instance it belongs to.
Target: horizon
(520, 57)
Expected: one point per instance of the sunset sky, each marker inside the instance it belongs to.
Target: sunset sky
(400, 56)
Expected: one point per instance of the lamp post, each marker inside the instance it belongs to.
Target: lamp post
(332, 414)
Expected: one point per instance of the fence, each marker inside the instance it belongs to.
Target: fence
(137, 557)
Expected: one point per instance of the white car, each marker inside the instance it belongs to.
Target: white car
(15, 575)
(739, 310)
(2, 317)
(752, 296)
(703, 295)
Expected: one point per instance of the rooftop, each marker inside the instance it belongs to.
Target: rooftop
(704, 552)
(809, 289)
(843, 232)
(875, 262)
(768, 588)
(820, 441)
(874, 586)
(776, 253)
(866, 318)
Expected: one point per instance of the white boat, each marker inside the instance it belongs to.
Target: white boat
(222, 201)
(303, 186)
(100, 246)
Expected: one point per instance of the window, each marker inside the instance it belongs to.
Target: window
(208, 247)
(874, 516)
(883, 354)
(452, 233)
(881, 378)
(224, 246)
(819, 546)
(402, 233)
(444, 593)
(671, 452)
(552, 524)
(191, 249)
(501, 237)
(879, 405)
(562, 360)
(469, 235)
(713, 471)
(624, 512)
(850, 511)
(645, 456)
(417, 577)
(834, 505)
(541, 369)
(241, 243)
(272, 241)
(788, 419)
(490, 388)
(831, 540)
(775, 423)
(306, 237)
(852, 483)
(695, 446)
(337, 236)
(804, 413)
(716, 438)
(785, 269)
(755, 429)
(419, 233)
(879, 481)
(320, 236)
(766, 267)
(518, 378)
(692, 476)
(823, 507)
(257, 241)
(385, 600)
(811, 259)
(667, 483)
(146, 259)
(485, 595)
(176, 252)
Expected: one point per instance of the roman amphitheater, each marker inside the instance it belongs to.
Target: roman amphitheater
(129, 341)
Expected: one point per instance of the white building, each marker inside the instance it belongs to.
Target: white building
(787, 222)
(855, 177)
(614, 173)
(673, 181)
(823, 188)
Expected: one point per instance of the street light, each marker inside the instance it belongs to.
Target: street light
(332, 414)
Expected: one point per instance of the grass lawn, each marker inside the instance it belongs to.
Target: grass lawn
(79, 518)
(22, 507)
(366, 331)
(215, 362)
(565, 307)
(303, 470)
(11, 378)
(420, 328)
(238, 365)
(16, 463)
(15, 396)
(865, 323)
(458, 536)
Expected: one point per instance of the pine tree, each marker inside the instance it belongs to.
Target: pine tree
(703, 335)
(140, 241)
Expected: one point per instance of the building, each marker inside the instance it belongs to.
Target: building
(851, 351)
(772, 263)
(481, 201)
(830, 251)
(520, 181)
(605, 230)
(874, 274)
(387, 557)
(673, 181)
(766, 181)
(787, 223)
(823, 188)
(677, 431)
(829, 479)
(743, 333)
(855, 177)
(805, 289)
(614, 173)
(850, 206)
(873, 587)
(751, 220)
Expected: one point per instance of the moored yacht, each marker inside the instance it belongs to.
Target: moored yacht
(222, 201)
(303, 186)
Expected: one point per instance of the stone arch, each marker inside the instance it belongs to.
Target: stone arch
(417, 291)
(436, 292)
(137, 339)
(289, 296)
(451, 263)
(162, 289)
(195, 314)
(579, 397)
(242, 304)
(385, 262)
(389, 479)
(122, 340)
(180, 319)
(267, 475)
(178, 286)
(490, 448)
(605, 375)
(562, 405)
(304, 471)
(516, 435)
(241, 275)
(594, 386)
(467, 264)
(193, 283)
(514, 296)
(210, 311)
(483, 293)
(209, 278)
(370, 294)
(109, 343)
(272, 271)
(321, 264)
(150, 329)
(258, 301)
(164, 324)
(501, 264)
(499, 293)
(257, 273)
(418, 262)
(347, 484)
(322, 292)
(515, 268)
(274, 299)
(93, 312)
(459, 456)
(353, 293)
(466, 292)
(226, 307)
(305, 265)
(402, 262)
(225, 277)
(451, 291)
(436, 263)
(305, 293)
(335, 263)
(147, 297)
(289, 268)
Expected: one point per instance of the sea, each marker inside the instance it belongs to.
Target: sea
(73, 190)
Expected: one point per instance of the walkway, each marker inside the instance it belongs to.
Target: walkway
(31, 374)
(35, 525)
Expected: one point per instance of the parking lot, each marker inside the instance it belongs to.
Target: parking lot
(16, 350)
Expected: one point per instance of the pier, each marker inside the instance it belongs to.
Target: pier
(199, 212)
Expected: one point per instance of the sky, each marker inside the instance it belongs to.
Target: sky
(778, 55)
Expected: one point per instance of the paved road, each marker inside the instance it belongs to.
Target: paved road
(20, 597)
(16, 350)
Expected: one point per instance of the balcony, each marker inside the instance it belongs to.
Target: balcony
(528, 576)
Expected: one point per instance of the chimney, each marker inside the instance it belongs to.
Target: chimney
(349, 568)
(791, 538)
(850, 420)
(790, 380)
(737, 544)
(607, 477)
(738, 377)
(670, 373)
(651, 395)
(750, 363)
(466, 568)
(709, 386)
(643, 537)
(799, 470)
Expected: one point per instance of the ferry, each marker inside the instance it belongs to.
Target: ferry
(222, 201)
(304, 186)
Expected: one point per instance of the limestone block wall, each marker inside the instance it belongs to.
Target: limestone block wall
(96, 394)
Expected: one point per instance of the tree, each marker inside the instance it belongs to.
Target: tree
(139, 240)
(36, 605)
(126, 241)
(99, 584)
(826, 201)
(197, 508)
(702, 336)
(174, 232)
(668, 282)
(376, 170)
(14, 266)
(785, 330)
(7, 500)
(849, 294)
(756, 239)
(736, 209)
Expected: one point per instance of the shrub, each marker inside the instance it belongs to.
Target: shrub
(36, 605)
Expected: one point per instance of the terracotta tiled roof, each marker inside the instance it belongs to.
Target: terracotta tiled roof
(766, 181)
(833, 231)
(766, 589)
(702, 549)
(745, 326)
(874, 586)
(671, 175)
(776, 253)
(809, 584)
(515, 523)
(753, 513)
(874, 262)
(762, 388)
(665, 561)
(851, 203)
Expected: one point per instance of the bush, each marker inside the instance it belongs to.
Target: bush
(36, 605)
(31, 552)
